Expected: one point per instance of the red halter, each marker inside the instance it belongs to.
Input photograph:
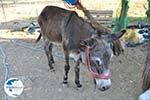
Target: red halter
(94, 74)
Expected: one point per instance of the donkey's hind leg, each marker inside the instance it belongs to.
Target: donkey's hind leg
(77, 74)
(48, 51)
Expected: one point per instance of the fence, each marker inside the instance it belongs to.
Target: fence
(20, 9)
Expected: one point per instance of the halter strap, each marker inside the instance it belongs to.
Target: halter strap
(94, 74)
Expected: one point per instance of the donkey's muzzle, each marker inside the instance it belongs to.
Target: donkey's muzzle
(103, 84)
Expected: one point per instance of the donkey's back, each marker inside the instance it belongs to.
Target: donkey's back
(61, 25)
(53, 21)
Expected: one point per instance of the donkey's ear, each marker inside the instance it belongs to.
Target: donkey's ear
(87, 43)
(83, 45)
(113, 37)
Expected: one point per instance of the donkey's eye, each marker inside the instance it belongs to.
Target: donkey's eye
(98, 61)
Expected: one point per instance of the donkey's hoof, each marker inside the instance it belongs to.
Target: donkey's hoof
(79, 85)
(52, 69)
(53, 61)
(79, 88)
(65, 85)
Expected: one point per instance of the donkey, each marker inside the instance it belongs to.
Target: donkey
(146, 78)
(80, 39)
(146, 72)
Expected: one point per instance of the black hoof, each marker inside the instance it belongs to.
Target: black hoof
(50, 66)
(52, 61)
(65, 84)
(79, 85)
(52, 69)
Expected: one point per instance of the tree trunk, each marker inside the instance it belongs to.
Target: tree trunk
(122, 21)
(148, 10)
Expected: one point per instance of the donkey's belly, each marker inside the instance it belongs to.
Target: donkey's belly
(54, 37)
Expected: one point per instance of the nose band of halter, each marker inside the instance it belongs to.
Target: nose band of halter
(95, 74)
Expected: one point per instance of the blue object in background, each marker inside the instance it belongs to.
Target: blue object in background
(72, 2)
(10, 82)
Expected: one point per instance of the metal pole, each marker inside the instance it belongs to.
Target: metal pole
(5, 66)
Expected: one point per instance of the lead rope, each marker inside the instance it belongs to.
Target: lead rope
(5, 66)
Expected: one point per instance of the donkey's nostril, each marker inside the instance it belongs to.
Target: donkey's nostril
(104, 88)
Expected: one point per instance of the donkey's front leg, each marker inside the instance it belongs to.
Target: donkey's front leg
(77, 74)
(67, 66)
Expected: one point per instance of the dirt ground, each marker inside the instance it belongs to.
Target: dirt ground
(27, 61)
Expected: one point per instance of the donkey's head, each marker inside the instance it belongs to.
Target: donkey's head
(97, 54)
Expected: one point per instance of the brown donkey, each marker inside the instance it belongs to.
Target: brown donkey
(146, 72)
(80, 39)
(146, 78)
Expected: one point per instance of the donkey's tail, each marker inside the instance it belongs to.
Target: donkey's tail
(39, 37)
